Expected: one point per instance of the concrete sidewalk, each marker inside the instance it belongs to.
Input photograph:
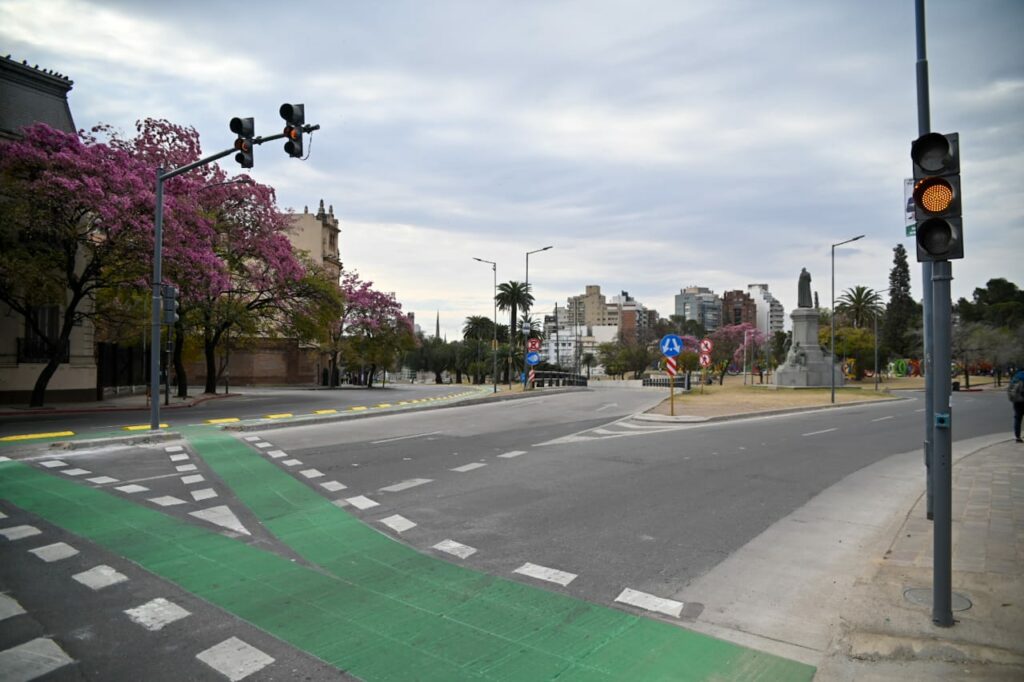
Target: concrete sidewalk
(126, 402)
(884, 635)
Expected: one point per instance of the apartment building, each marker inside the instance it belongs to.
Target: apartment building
(738, 307)
(771, 316)
(700, 304)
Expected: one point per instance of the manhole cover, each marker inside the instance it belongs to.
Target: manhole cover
(922, 596)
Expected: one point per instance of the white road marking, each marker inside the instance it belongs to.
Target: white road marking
(103, 480)
(9, 607)
(882, 419)
(194, 478)
(333, 486)
(54, 552)
(361, 502)
(166, 501)
(252, 438)
(469, 467)
(649, 602)
(156, 614)
(185, 467)
(98, 577)
(551, 575)
(921, 410)
(51, 463)
(264, 445)
(179, 458)
(75, 472)
(291, 462)
(606, 432)
(405, 485)
(457, 548)
(203, 494)
(815, 433)
(398, 523)
(511, 454)
(19, 532)
(32, 660)
(605, 407)
(132, 488)
(221, 516)
(312, 473)
(173, 448)
(276, 454)
(235, 659)
(415, 435)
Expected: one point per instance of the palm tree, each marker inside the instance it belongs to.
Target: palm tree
(513, 296)
(588, 361)
(478, 327)
(859, 305)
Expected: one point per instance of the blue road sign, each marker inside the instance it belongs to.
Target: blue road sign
(671, 345)
(532, 358)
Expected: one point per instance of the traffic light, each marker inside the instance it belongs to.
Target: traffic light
(170, 305)
(243, 127)
(294, 116)
(937, 203)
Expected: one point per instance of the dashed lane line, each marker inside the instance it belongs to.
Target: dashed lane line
(415, 435)
(405, 485)
(98, 577)
(32, 660)
(882, 419)
(362, 502)
(649, 602)
(156, 614)
(234, 659)
(54, 552)
(817, 433)
(551, 575)
(455, 548)
(513, 453)
(19, 532)
(469, 467)
(398, 523)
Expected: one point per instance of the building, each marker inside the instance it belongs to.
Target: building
(700, 304)
(633, 317)
(30, 95)
(591, 308)
(771, 316)
(738, 308)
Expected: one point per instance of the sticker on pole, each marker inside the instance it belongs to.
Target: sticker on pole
(670, 366)
(706, 345)
(533, 344)
(671, 345)
(532, 358)
(705, 360)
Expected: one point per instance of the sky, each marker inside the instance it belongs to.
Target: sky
(654, 145)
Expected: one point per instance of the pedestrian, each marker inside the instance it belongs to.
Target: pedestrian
(1015, 392)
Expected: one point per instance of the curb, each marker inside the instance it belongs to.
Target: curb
(646, 416)
(137, 439)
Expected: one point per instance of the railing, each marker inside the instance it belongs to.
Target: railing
(551, 378)
(38, 351)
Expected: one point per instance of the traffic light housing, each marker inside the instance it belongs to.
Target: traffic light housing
(937, 201)
(294, 116)
(243, 127)
(170, 304)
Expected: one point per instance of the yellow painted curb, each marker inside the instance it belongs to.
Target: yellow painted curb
(225, 420)
(30, 436)
(141, 427)
(356, 409)
(384, 405)
(282, 415)
(325, 412)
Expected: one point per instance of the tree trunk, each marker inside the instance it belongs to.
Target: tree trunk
(437, 377)
(210, 350)
(369, 377)
(39, 390)
(179, 364)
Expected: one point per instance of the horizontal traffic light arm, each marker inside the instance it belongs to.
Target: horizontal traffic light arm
(231, 150)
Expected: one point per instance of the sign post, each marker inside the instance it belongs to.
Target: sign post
(706, 346)
(671, 346)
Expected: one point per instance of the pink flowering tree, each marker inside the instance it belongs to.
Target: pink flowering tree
(372, 331)
(77, 221)
(731, 342)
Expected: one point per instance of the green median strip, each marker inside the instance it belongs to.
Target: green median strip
(485, 627)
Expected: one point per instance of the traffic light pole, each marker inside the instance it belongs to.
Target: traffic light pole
(158, 238)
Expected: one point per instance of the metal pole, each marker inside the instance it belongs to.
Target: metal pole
(494, 350)
(558, 351)
(876, 351)
(942, 447)
(924, 126)
(832, 342)
(154, 341)
(527, 283)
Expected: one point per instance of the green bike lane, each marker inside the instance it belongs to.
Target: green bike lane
(370, 605)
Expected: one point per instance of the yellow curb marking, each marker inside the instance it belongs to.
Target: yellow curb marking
(325, 411)
(225, 420)
(281, 415)
(356, 409)
(141, 427)
(383, 405)
(30, 436)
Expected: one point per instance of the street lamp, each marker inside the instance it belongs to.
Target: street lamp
(494, 347)
(832, 343)
(527, 287)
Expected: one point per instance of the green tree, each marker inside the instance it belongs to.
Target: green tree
(588, 361)
(902, 313)
(858, 306)
(478, 327)
(513, 296)
(999, 304)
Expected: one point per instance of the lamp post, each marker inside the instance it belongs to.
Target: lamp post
(494, 326)
(832, 342)
(527, 287)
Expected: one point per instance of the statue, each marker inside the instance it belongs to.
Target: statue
(804, 290)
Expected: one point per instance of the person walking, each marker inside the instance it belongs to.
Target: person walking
(1015, 392)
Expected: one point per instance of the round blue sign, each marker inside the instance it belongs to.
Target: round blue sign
(671, 345)
(532, 358)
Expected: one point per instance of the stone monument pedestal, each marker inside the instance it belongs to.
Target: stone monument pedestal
(805, 364)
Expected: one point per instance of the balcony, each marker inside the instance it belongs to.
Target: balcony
(38, 351)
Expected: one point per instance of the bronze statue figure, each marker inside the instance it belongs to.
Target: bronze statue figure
(804, 290)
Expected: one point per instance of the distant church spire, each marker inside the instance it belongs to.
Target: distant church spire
(437, 327)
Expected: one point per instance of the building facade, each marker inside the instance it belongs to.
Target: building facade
(701, 305)
(771, 316)
(31, 95)
(738, 308)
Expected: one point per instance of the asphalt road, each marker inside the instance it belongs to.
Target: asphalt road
(562, 491)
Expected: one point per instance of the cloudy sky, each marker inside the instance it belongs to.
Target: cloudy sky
(655, 145)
